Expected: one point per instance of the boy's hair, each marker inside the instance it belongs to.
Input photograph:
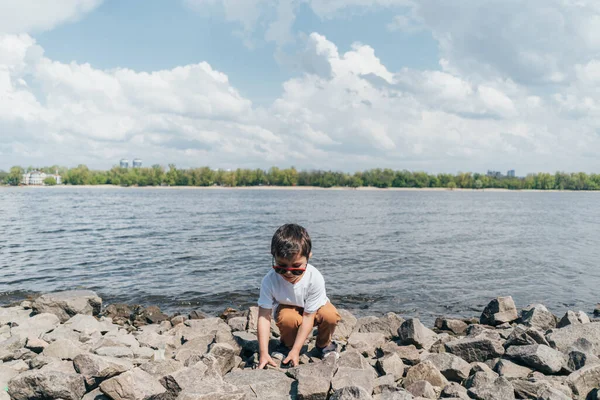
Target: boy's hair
(289, 240)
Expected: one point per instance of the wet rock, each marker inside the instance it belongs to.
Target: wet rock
(68, 303)
(454, 390)
(498, 311)
(351, 393)
(425, 371)
(412, 331)
(391, 365)
(422, 389)
(387, 324)
(46, 384)
(63, 349)
(538, 357)
(573, 318)
(366, 343)
(262, 383)
(510, 370)
(96, 369)
(584, 380)
(538, 316)
(132, 385)
(483, 386)
(477, 348)
(346, 325)
(452, 367)
(120, 314)
(456, 326)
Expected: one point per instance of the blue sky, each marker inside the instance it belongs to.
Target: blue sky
(329, 84)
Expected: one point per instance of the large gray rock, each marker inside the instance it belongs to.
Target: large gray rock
(412, 331)
(538, 316)
(477, 348)
(36, 326)
(69, 303)
(132, 385)
(562, 339)
(538, 357)
(578, 359)
(409, 354)
(351, 393)
(395, 394)
(63, 349)
(13, 315)
(510, 370)
(391, 365)
(96, 369)
(366, 343)
(160, 368)
(455, 391)
(551, 393)
(225, 355)
(345, 326)
(484, 386)
(387, 324)
(6, 374)
(425, 371)
(452, 367)
(95, 394)
(46, 384)
(499, 311)
(456, 326)
(584, 380)
(523, 335)
(314, 380)
(199, 378)
(262, 383)
(11, 347)
(422, 389)
(573, 318)
(113, 351)
(344, 377)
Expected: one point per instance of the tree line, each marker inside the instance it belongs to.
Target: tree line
(158, 175)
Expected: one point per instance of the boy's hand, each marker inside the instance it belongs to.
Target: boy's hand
(264, 360)
(292, 357)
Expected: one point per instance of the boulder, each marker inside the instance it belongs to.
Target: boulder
(499, 311)
(409, 354)
(422, 389)
(351, 393)
(384, 383)
(523, 335)
(95, 394)
(510, 370)
(238, 324)
(344, 376)
(425, 371)
(67, 304)
(394, 394)
(551, 393)
(112, 351)
(314, 380)
(483, 386)
(366, 343)
(63, 349)
(36, 326)
(46, 384)
(387, 324)
(200, 378)
(412, 331)
(96, 369)
(455, 391)
(10, 349)
(160, 368)
(13, 315)
(345, 326)
(584, 380)
(452, 367)
(562, 339)
(132, 385)
(538, 316)
(391, 365)
(262, 383)
(120, 314)
(578, 359)
(477, 348)
(538, 357)
(35, 344)
(225, 356)
(573, 318)
(352, 358)
(252, 320)
(456, 326)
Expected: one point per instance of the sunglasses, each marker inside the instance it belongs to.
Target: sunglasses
(282, 270)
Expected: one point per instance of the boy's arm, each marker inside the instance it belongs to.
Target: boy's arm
(264, 334)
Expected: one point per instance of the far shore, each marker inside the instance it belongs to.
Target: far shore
(265, 187)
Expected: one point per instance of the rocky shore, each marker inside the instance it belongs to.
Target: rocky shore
(67, 346)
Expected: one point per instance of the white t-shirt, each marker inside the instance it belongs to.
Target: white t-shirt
(308, 293)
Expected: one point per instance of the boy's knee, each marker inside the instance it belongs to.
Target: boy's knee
(329, 315)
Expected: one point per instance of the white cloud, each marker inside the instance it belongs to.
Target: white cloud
(23, 16)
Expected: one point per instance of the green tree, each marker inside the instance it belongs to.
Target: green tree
(451, 185)
(50, 181)
(15, 176)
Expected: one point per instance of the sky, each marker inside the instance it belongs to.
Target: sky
(347, 85)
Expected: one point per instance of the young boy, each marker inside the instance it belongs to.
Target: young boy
(295, 290)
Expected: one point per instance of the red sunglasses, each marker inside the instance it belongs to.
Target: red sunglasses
(282, 270)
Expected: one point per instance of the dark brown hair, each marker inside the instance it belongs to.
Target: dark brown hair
(289, 240)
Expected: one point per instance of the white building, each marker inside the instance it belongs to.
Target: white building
(124, 163)
(36, 178)
(137, 163)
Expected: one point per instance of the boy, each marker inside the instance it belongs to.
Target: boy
(295, 290)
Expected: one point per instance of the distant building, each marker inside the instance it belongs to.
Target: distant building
(494, 174)
(511, 173)
(137, 163)
(124, 163)
(36, 178)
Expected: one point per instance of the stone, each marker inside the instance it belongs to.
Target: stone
(314, 380)
(412, 331)
(439, 345)
(13, 315)
(499, 311)
(523, 335)
(17, 365)
(197, 314)
(484, 386)
(477, 348)
(36, 326)
(366, 343)
(562, 339)
(456, 326)
(573, 318)
(252, 320)
(238, 324)
(578, 359)
(112, 351)
(199, 378)
(6, 374)
(143, 353)
(409, 354)
(68, 303)
(134, 384)
(345, 326)
(387, 324)
(550, 393)
(95, 394)
(96, 369)
(539, 357)
(36, 345)
(396, 394)
(46, 384)
(10, 349)
(584, 380)
(63, 349)
(538, 316)
(119, 313)
(61, 332)
(454, 390)
(224, 355)
(452, 367)
(510, 370)
(160, 368)
(194, 349)
(262, 383)
(153, 315)
(351, 393)
(391, 365)
(363, 378)
(118, 338)
(383, 383)
(422, 389)
(425, 371)
(178, 319)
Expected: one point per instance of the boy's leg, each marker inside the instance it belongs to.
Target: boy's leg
(326, 319)
(288, 319)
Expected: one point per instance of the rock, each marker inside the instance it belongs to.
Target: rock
(456, 326)
(552, 394)
(538, 357)
(439, 345)
(366, 343)
(524, 335)
(17, 365)
(96, 369)
(478, 348)
(238, 324)
(118, 339)
(454, 390)
(200, 378)
(95, 394)
(584, 380)
(314, 380)
(578, 359)
(194, 349)
(498, 311)
(562, 339)
(363, 378)
(422, 389)
(135, 384)
(452, 367)
(61, 332)
(36, 326)
(119, 313)
(178, 319)
(224, 355)
(6, 374)
(484, 386)
(153, 315)
(112, 351)
(46, 384)
(538, 316)
(13, 315)
(387, 324)
(384, 383)
(10, 349)
(510, 370)
(409, 354)
(160, 368)
(345, 326)
(425, 371)
(262, 383)
(352, 358)
(66, 304)
(351, 393)
(412, 331)
(391, 365)
(63, 349)
(252, 320)
(36, 345)
(573, 318)
(397, 394)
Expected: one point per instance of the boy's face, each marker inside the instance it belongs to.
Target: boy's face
(296, 261)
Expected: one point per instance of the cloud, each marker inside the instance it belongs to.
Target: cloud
(24, 16)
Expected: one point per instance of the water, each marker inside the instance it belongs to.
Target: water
(416, 253)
